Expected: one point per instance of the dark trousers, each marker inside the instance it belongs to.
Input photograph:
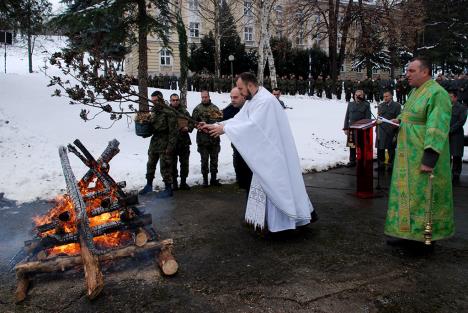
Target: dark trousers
(348, 96)
(352, 155)
(243, 172)
(381, 156)
(456, 165)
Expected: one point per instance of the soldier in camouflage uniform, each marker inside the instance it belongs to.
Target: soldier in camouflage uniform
(348, 86)
(208, 147)
(319, 84)
(162, 145)
(338, 88)
(182, 149)
(328, 87)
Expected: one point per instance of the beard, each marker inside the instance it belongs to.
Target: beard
(249, 95)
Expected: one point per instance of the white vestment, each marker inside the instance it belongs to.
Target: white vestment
(262, 135)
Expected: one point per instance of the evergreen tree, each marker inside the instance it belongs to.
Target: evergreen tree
(129, 21)
(444, 38)
(26, 16)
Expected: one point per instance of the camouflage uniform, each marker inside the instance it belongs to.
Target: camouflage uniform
(162, 143)
(208, 146)
(338, 88)
(182, 149)
(319, 86)
(328, 87)
(348, 86)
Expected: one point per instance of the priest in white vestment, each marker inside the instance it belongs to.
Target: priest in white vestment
(261, 133)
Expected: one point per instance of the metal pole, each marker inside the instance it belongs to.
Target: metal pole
(232, 74)
(5, 51)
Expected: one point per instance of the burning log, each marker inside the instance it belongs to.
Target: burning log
(86, 218)
(93, 275)
(49, 241)
(25, 271)
(111, 150)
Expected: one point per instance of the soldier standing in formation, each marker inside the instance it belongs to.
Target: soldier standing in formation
(182, 149)
(348, 86)
(208, 147)
(319, 86)
(456, 135)
(386, 133)
(357, 110)
(328, 87)
(162, 145)
(338, 88)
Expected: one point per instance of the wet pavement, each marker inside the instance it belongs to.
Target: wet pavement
(339, 264)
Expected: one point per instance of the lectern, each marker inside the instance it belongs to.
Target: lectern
(363, 135)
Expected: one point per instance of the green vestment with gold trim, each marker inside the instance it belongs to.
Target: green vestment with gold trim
(425, 124)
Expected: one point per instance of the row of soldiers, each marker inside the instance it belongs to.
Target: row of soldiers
(170, 143)
(290, 85)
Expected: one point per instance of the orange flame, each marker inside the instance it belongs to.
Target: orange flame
(64, 204)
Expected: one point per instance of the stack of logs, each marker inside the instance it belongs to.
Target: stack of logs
(111, 199)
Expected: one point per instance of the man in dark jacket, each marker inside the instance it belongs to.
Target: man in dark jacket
(243, 172)
(456, 135)
(386, 133)
(357, 110)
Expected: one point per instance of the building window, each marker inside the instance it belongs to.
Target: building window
(342, 68)
(165, 57)
(194, 28)
(193, 5)
(248, 33)
(358, 70)
(375, 70)
(248, 8)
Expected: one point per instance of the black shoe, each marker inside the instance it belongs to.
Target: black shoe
(314, 217)
(175, 185)
(146, 189)
(455, 178)
(205, 181)
(214, 181)
(351, 164)
(166, 193)
(397, 242)
(184, 186)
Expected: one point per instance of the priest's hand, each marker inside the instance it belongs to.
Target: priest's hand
(215, 130)
(426, 169)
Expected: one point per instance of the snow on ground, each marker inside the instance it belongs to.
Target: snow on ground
(33, 125)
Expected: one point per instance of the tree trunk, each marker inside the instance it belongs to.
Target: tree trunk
(217, 39)
(30, 50)
(183, 54)
(142, 56)
(347, 20)
(332, 39)
(262, 41)
(271, 65)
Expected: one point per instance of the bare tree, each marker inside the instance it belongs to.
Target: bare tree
(265, 54)
(330, 20)
(210, 12)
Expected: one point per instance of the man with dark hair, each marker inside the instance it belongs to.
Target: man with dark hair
(182, 149)
(357, 110)
(386, 134)
(208, 147)
(162, 145)
(243, 172)
(261, 133)
(277, 94)
(420, 205)
(456, 135)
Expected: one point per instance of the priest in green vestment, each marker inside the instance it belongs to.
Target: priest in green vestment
(420, 204)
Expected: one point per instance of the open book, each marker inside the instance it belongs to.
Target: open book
(383, 119)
